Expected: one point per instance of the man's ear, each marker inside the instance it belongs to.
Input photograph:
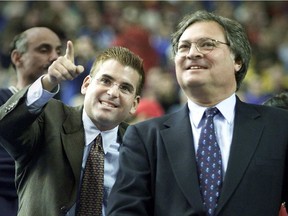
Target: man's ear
(85, 84)
(237, 65)
(16, 57)
(135, 105)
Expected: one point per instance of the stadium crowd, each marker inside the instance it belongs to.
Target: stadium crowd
(145, 28)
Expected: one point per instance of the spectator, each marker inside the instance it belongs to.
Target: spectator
(216, 156)
(32, 52)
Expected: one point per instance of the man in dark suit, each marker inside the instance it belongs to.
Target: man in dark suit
(32, 52)
(160, 170)
(50, 141)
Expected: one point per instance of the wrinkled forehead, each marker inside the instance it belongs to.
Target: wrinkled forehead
(202, 29)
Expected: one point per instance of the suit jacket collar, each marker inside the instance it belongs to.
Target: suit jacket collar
(121, 130)
(178, 141)
(73, 138)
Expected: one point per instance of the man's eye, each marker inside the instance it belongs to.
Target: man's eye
(183, 46)
(43, 50)
(125, 88)
(105, 81)
(207, 44)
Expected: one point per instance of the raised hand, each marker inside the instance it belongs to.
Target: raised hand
(62, 69)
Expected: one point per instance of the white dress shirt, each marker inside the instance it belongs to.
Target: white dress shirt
(224, 124)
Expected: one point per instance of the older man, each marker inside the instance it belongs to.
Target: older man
(32, 52)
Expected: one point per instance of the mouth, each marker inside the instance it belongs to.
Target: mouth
(194, 67)
(108, 104)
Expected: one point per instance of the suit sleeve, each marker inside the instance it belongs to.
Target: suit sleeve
(16, 125)
(131, 194)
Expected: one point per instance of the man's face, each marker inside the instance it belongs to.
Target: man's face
(44, 47)
(213, 72)
(107, 99)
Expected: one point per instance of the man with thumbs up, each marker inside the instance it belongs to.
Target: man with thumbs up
(50, 141)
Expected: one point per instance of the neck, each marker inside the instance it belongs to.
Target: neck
(209, 100)
(21, 82)
(209, 95)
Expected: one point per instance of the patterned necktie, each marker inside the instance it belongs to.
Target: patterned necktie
(91, 194)
(209, 163)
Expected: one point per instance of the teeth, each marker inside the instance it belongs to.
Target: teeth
(107, 104)
(195, 67)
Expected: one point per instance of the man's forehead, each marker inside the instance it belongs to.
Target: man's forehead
(105, 68)
(43, 36)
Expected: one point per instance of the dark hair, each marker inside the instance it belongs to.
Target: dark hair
(280, 100)
(234, 33)
(126, 58)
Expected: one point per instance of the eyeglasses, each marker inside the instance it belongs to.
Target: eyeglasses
(203, 45)
(107, 82)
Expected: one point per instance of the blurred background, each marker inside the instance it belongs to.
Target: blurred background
(145, 27)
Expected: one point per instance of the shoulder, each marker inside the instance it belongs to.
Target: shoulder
(58, 110)
(263, 111)
(164, 121)
(5, 94)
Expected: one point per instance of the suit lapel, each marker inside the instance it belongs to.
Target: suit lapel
(179, 144)
(247, 132)
(121, 130)
(73, 141)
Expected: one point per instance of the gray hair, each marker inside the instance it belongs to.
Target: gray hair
(20, 43)
(234, 33)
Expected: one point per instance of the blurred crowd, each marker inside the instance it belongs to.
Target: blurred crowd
(145, 28)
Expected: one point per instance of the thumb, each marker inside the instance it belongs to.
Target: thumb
(70, 51)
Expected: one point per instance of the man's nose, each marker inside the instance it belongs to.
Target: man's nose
(193, 51)
(114, 90)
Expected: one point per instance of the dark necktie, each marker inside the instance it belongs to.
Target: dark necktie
(209, 163)
(91, 194)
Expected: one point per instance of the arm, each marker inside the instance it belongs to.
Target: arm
(131, 194)
(18, 123)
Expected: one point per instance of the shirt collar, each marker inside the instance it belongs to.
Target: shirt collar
(109, 137)
(226, 108)
(13, 89)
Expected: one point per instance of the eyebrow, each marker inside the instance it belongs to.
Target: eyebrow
(49, 45)
(184, 42)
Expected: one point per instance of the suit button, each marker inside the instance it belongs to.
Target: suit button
(64, 209)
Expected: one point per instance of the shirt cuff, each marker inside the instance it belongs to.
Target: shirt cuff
(37, 97)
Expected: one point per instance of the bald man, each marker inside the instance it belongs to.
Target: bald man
(32, 52)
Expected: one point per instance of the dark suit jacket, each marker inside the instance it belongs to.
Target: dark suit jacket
(48, 150)
(158, 173)
(8, 194)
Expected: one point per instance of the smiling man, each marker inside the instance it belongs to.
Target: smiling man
(52, 142)
(217, 156)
